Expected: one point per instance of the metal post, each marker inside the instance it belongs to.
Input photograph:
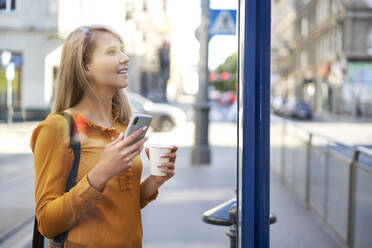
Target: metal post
(232, 231)
(352, 192)
(201, 152)
(326, 182)
(283, 153)
(335, 50)
(308, 171)
(254, 83)
(9, 101)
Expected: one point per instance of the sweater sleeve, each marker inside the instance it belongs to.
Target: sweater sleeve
(57, 210)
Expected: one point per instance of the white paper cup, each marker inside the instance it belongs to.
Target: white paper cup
(155, 158)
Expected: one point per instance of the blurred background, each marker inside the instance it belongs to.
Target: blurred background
(321, 123)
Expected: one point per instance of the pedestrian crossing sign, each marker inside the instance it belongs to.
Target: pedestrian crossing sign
(222, 22)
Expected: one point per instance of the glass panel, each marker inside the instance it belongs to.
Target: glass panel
(275, 146)
(363, 209)
(317, 178)
(338, 194)
(240, 115)
(299, 166)
(289, 156)
(295, 159)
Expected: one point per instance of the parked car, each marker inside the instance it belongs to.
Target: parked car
(279, 105)
(298, 109)
(226, 98)
(164, 116)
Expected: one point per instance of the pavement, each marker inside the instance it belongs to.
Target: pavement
(175, 218)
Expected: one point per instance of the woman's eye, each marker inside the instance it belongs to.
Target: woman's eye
(111, 52)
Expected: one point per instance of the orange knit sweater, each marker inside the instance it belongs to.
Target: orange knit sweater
(111, 218)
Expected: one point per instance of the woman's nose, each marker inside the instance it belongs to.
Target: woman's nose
(124, 58)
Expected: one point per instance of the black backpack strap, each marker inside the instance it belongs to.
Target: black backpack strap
(38, 239)
(71, 181)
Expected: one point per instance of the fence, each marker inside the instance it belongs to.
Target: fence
(332, 177)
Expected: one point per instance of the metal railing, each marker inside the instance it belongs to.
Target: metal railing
(332, 177)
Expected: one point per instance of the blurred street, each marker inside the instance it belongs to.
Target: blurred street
(175, 219)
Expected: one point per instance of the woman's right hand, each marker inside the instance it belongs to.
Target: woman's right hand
(116, 158)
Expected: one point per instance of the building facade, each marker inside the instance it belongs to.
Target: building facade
(34, 31)
(30, 32)
(147, 37)
(330, 56)
(282, 45)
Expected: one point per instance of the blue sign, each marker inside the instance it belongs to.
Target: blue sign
(222, 22)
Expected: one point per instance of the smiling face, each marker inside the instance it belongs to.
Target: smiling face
(108, 67)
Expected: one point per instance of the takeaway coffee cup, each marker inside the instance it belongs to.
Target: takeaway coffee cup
(155, 158)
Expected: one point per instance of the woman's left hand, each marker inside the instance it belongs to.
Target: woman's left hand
(168, 168)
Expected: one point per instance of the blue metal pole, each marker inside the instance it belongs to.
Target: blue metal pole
(254, 78)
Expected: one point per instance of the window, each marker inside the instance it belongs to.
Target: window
(339, 39)
(322, 11)
(7, 5)
(17, 59)
(304, 26)
(369, 3)
(369, 41)
(303, 60)
(335, 6)
(52, 7)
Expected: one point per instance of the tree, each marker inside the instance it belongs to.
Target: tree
(227, 74)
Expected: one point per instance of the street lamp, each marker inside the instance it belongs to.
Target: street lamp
(201, 153)
(5, 57)
(10, 73)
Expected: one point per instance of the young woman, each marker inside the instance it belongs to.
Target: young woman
(104, 208)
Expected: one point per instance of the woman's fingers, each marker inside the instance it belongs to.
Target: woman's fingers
(147, 150)
(172, 156)
(174, 149)
(118, 139)
(135, 146)
(134, 154)
(169, 165)
(168, 172)
(134, 150)
(133, 137)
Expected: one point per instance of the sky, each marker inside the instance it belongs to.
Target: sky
(185, 18)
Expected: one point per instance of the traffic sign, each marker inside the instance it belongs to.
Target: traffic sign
(222, 22)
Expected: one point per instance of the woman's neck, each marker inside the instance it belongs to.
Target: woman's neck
(97, 110)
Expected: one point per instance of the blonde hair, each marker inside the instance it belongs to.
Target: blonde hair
(73, 80)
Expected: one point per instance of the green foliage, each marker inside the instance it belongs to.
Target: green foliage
(231, 66)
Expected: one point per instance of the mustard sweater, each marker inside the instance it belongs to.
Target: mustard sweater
(111, 218)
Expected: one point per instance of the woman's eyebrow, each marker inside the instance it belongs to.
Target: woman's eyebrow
(115, 47)
(110, 47)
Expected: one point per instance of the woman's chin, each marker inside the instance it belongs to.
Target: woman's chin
(121, 85)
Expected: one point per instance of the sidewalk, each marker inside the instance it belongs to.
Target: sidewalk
(175, 218)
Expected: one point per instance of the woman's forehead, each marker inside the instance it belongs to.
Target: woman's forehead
(106, 39)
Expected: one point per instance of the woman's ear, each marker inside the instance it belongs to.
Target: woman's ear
(87, 70)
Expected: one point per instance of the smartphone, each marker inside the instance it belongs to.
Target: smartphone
(136, 122)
